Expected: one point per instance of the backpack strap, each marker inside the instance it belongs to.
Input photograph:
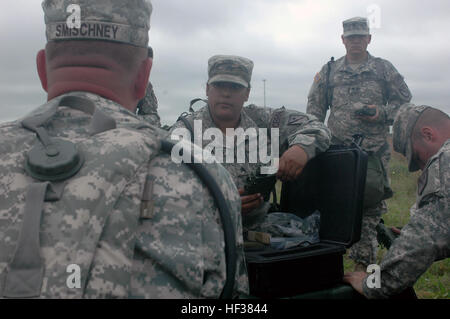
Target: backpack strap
(54, 159)
(184, 118)
(25, 271)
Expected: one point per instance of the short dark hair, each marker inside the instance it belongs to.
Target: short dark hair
(430, 117)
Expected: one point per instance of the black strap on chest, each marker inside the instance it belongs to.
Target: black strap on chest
(184, 118)
(328, 91)
(25, 271)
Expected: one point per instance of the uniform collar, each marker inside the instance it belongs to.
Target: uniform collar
(342, 65)
(444, 147)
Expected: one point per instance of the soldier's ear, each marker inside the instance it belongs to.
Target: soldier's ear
(142, 77)
(428, 134)
(369, 39)
(41, 65)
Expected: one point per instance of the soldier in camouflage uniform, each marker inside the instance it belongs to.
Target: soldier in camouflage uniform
(349, 84)
(301, 136)
(422, 135)
(90, 207)
(147, 108)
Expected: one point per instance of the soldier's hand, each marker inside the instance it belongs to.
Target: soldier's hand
(355, 279)
(396, 230)
(250, 202)
(371, 118)
(292, 163)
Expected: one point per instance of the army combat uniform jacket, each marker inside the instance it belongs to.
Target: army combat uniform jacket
(426, 237)
(135, 223)
(148, 107)
(375, 81)
(295, 128)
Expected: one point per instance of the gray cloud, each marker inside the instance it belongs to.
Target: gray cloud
(289, 41)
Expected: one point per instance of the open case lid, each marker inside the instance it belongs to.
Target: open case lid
(332, 183)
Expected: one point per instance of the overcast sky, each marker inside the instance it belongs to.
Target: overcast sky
(288, 40)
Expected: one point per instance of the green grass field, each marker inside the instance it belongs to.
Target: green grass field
(435, 282)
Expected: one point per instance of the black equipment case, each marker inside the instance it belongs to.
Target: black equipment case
(333, 183)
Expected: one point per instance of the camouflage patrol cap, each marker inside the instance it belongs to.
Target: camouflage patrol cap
(356, 26)
(230, 68)
(124, 21)
(404, 124)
